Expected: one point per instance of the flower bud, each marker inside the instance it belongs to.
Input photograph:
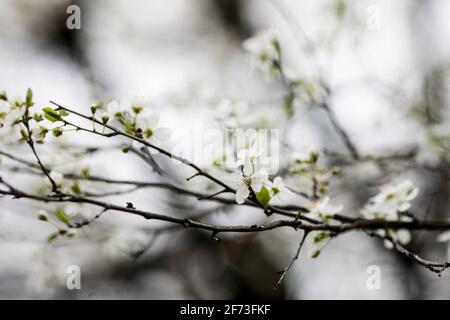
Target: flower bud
(42, 215)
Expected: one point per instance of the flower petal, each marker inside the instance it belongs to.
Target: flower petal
(242, 193)
(163, 133)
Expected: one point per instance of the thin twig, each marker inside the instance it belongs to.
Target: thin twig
(291, 263)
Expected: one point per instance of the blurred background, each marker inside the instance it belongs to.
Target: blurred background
(389, 87)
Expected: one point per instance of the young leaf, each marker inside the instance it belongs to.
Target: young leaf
(51, 114)
(263, 197)
(85, 172)
(60, 214)
(63, 113)
(76, 188)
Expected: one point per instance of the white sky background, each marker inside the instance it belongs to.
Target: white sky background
(176, 50)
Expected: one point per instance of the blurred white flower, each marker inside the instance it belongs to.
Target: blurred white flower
(12, 114)
(39, 132)
(252, 151)
(402, 236)
(311, 156)
(278, 189)
(232, 113)
(323, 209)
(444, 237)
(308, 176)
(307, 89)
(391, 201)
(127, 243)
(57, 177)
(147, 121)
(264, 49)
(137, 103)
(116, 108)
(250, 179)
(4, 108)
(249, 156)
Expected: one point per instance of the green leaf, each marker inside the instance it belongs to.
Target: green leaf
(76, 188)
(263, 197)
(51, 114)
(60, 214)
(29, 99)
(63, 113)
(276, 44)
(85, 172)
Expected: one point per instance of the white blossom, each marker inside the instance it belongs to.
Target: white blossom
(308, 176)
(10, 113)
(264, 49)
(232, 113)
(116, 108)
(278, 190)
(252, 150)
(137, 103)
(323, 209)
(148, 122)
(402, 236)
(250, 178)
(307, 89)
(444, 237)
(391, 201)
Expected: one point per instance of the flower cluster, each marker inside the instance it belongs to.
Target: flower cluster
(21, 121)
(265, 52)
(307, 89)
(136, 116)
(61, 221)
(253, 174)
(232, 113)
(308, 176)
(392, 203)
(323, 209)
